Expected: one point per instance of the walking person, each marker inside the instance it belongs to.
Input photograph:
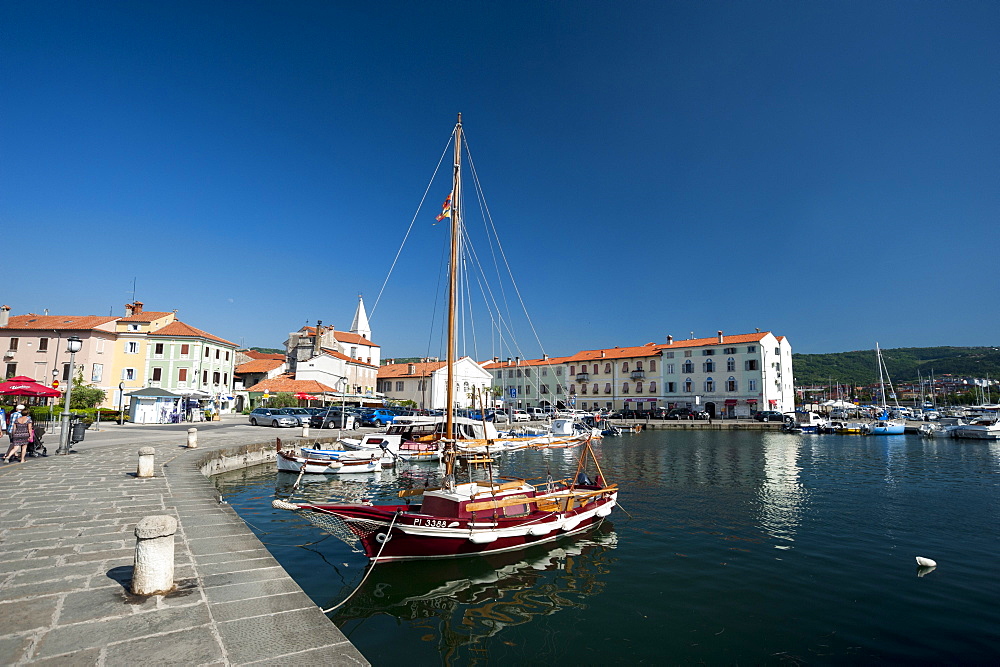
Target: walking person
(22, 432)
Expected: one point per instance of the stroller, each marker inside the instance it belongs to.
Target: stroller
(37, 448)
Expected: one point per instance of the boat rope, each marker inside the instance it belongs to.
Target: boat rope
(410, 228)
(374, 562)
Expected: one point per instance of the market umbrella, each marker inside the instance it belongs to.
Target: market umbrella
(22, 385)
(302, 396)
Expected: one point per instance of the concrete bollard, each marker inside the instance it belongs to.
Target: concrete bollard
(146, 455)
(305, 430)
(192, 438)
(153, 571)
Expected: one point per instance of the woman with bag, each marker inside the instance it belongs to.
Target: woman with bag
(22, 432)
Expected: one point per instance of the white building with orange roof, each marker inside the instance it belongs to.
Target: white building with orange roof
(615, 378)
(728, 375)
(347, 360)
(426, 382)
(530, 383)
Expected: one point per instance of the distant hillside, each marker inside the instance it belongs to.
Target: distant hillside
(267, 350)
(904, 364)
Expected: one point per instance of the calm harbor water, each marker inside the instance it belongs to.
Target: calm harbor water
(729, 547)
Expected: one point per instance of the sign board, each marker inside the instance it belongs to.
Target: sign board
(513, 392)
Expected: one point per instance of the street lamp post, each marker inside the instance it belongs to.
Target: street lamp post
(121, 399)
(73, 345)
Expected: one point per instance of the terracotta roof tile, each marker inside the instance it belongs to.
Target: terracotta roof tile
(179, 329)
(259, 366)
(342, 336)
(344, 357)
(420, 369)
(284, 383)
(254, 354)
(58, 322)
(145, 316)
(714, 340)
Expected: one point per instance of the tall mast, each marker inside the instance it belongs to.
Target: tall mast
(881, 379)
(456, 197)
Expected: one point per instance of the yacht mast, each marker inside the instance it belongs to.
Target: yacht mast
(456, 197)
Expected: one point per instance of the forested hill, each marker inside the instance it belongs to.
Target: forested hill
(904, 364)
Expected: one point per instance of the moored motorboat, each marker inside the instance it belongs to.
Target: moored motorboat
(288, 461)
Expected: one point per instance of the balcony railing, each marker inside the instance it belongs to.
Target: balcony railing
(582, 377)
(638, 375)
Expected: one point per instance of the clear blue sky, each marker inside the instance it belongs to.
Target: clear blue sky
(826, 171)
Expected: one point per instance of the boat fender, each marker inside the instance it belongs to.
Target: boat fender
(541, 529)
(603, 510)
(483, 537)
(381, 538)
(571, 524)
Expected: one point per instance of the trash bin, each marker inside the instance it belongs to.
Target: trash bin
(77, 430)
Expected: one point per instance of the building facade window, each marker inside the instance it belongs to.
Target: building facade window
(43, 344)
(97, 373)
(14, 343)
(671, 387)
(731, 384)
(688, 386)
(751, 385)
(132, 347)
(652, 365)
(638, 387)
(652, 386)
(709, 385)
(12, 371)
(624, 387)
(688, 367)
(127, 373)
(708, 366)
(624, 367)
(157, 374)
(216, 377)
(607, 369)
(730, 365)
(668, 369)
(607, 388)
(158, 349)
(182, 374)
(751, 365)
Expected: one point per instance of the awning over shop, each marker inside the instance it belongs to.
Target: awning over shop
(752, 401)
(153, 392)
(730, 401)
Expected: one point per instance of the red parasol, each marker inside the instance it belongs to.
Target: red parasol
(302, 396)
(23, 385)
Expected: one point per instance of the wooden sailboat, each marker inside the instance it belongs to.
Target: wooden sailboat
(476, 517)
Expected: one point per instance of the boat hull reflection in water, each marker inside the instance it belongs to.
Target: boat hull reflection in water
(473, 599)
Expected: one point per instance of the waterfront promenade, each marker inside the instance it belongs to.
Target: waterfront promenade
(67, 546)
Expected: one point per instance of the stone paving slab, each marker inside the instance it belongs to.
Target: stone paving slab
(67, 545)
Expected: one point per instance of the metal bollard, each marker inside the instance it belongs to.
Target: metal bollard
(192, 438)
(305, 430)
(146, 455)
(153, 571)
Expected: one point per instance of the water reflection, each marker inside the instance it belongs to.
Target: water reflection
(782, 494)
(463, 602)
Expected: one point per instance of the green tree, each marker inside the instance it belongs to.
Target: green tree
(282, 400)
(84, 396)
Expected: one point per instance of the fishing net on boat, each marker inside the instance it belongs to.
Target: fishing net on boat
(348, 531)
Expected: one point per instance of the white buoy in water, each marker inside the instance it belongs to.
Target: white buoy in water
(925, 562)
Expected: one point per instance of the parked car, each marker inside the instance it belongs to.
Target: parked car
(334, 418)
(271, 417)
(377, 417)
(683, 413)
(520, 416)
(769, 416)
(301, 414)
(540, 413)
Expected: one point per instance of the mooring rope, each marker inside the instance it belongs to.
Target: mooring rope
(388, 537)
